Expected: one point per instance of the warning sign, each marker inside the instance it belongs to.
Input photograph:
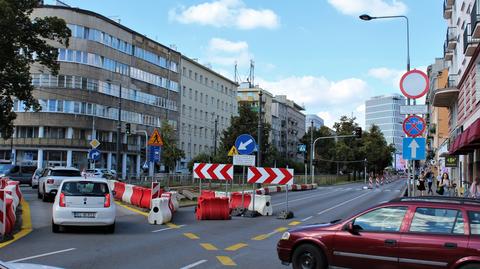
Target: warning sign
(155, 139)
(233, 151)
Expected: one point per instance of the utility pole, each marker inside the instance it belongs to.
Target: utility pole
(119, 133)
(259, 138)
(311, 150)
(215, 137)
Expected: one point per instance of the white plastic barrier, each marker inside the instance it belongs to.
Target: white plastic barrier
(13, 190)
(314, 185)
(160, 212)
(263, 205)
(111, 184)
(174, 198)
(127, 195)
(221, 194)
(272, 189)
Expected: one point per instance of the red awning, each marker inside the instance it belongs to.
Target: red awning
(467, 141)
(474, 135)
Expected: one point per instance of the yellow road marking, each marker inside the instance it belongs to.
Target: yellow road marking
(225, 260)
(260, 237)
(236, 247)
(293, 223)
(191, 236)
(208, 246)
(132, 209)
(281, 229)
(173, 226)
(26, 224)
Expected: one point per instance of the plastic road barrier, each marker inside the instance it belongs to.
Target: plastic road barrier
(160, 212)
(212, 208)
(236, 200)
(137, 193)
(174, 200)
(119, 190)
(127, 195)
(208, 194)
(146, 198)
(263, 205)
(3, 219)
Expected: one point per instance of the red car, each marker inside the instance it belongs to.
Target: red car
(420, 233)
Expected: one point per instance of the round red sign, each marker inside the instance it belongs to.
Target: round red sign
(414, 84)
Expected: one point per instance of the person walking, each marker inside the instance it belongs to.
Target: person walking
(475, 189)
(429, 177)
(443, 186)
(421, 183)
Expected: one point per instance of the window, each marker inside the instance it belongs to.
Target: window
(386, 219)
(438, 221)
(474, 218)
(184, 91)
(184, 71)
(190, 74)
(190, 93)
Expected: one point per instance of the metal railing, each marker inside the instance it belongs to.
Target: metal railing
(475, 14)
(467, 38)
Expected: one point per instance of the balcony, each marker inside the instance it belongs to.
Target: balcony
(447, 10)
(446, 97)
(475, 19)
(470, 43)
(447, 53)
(449, 3)
(452, 38)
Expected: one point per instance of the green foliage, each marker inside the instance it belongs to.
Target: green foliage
(376, 150)
(170, 153)
(200, 158)
(22, 38)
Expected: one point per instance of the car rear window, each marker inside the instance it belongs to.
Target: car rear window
(474, 220)
(437, 221)
(85, 188)
(65, 173)
(29, 169)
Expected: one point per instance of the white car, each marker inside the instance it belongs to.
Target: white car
(36, 176)
(51, 178)
(84, 202)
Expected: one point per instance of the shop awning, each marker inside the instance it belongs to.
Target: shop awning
(467, 141)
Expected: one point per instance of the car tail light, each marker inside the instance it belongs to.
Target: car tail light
(107, 200)
(50, 181)
(61, 202)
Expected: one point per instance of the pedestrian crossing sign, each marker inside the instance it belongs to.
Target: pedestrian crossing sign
(155, 139)
(233, 151)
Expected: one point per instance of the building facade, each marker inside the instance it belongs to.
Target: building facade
(316, 120)
(249, 95)
(106, 64)
(384, 112)
(208, 101)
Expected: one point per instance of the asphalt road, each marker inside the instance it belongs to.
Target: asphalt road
(241, 242)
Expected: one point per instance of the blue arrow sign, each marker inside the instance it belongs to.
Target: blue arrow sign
(153, 154)
(94, 154)
(414, 148)
(245, 144)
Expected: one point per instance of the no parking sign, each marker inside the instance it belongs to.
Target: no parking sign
(414, 126)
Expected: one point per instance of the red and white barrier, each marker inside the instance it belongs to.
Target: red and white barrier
(156, 190)
(370, 183)
(160, 212)
(3, 210)
(127, 195)
(266, 175)
(213, 171)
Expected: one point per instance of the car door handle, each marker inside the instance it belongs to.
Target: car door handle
(450, 245)
(390, 242)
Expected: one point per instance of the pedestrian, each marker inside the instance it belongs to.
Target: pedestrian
(443, 188)
(421, 183)
(429, 177)
(475, 189)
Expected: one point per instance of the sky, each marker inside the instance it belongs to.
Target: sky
(317, 52)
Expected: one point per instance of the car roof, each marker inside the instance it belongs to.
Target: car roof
(445, 200)
(64, 168)
(93, 179)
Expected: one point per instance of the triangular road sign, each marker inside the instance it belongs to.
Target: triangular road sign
(233, 151)
(155, 139)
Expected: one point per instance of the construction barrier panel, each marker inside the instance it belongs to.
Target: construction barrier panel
(119, 189)
(111, 184)
(263, 205)
(137, 193)
(17, 188)
(212, 208)
(236, 200)
(10, 214)
(208, 194)
(160, 212)
(146, 198)
(174, 200)
(127, 195)
(12, 193)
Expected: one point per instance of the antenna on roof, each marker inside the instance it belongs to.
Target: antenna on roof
(173, 46)
(60, 3)
(115, 18)
(252, 74)
(236, 73)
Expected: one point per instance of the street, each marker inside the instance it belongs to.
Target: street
(187, 243)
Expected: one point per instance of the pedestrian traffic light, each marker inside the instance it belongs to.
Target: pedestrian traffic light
(128, 129)
(358, 132)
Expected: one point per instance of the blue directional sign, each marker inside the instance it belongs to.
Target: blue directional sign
(414, 148)
(153, 154)
(94, 154)
(245, 144)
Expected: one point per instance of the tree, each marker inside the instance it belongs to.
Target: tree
(23, 41)
(348, 149)
(324, 149)
(170, 153)
(376, 150)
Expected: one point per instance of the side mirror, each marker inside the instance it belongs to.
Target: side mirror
(114, 193)
(350, 227)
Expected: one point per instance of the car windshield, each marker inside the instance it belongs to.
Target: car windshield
(85, 188)
(5, 167)
(66, 173)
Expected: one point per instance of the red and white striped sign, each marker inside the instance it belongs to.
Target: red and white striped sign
(155, 190)
(265, 175)
(213, 171)
(3, 213)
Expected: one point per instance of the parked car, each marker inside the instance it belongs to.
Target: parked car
(51, 178)
(84, 202)
(421, 232)
(21, 173)
(36, 176)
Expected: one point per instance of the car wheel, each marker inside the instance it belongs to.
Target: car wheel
(55, 228)
(39, 195)
(111, 228)
(308, 256)
(470, 266)
(44, 197)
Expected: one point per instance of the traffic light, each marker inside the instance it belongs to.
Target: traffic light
(358, 132)
(128, 129)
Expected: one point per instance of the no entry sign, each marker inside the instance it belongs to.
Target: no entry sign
(414, 84)
(414, 126)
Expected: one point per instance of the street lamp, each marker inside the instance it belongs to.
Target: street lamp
(367, 17)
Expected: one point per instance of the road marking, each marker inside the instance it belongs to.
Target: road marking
(132, 209)
(303, 198)
(260, 237)
(281, 229)
(236, 247)
(208, 246)
(305, 219)
(191, 236)
(294, 223)
(173, 226)
(194, 264)
(348, 201)
(26, 224)
(265, 236)
(169, 228)
(43, 255)
(225, 260)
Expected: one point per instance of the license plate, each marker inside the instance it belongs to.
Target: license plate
(89, 215)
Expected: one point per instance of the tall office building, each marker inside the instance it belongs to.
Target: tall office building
(316, 120)
(384, 111)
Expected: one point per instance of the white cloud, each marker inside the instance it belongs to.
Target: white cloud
(361, 108)
(226, 52)
(390, 76)
(328, 99)
(227, 45)
(371, 7)
(225, 13)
